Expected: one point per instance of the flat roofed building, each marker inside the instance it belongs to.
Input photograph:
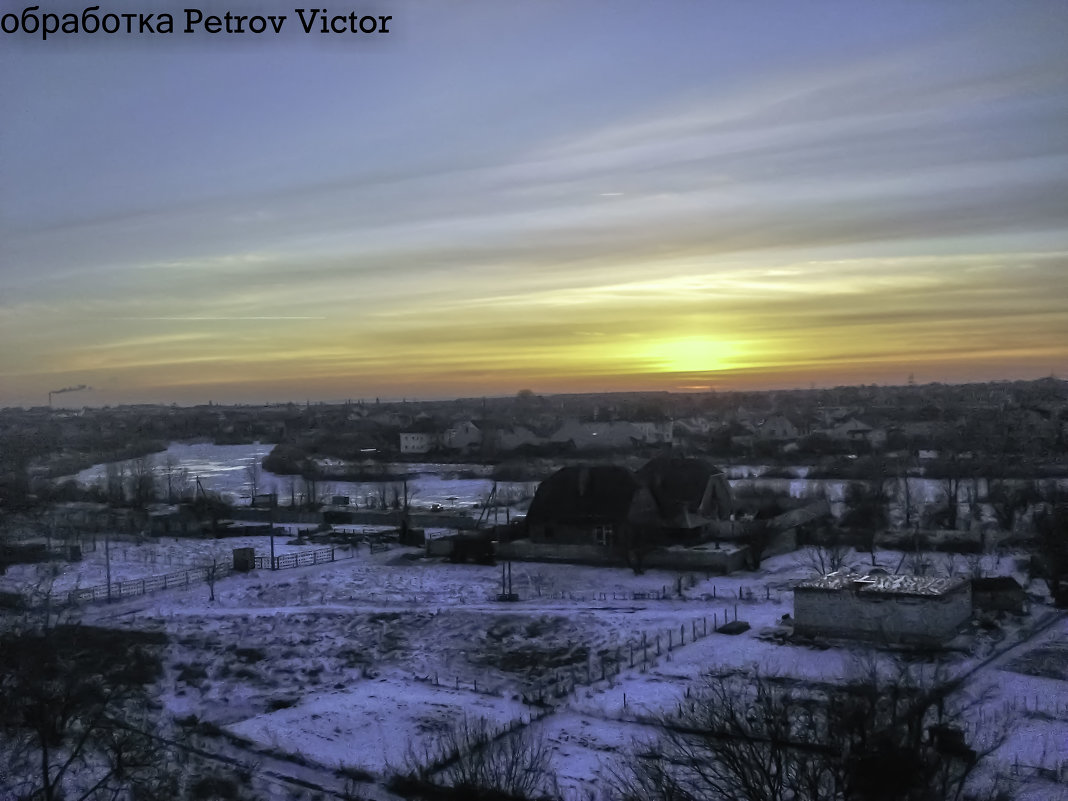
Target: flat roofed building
(919, 610)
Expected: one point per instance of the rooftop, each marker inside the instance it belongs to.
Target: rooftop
(885, 585)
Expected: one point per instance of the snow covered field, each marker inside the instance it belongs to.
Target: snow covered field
(360, 661)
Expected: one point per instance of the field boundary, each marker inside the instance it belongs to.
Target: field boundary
(131, 588)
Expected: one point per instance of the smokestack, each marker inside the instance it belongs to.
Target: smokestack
(78, 388)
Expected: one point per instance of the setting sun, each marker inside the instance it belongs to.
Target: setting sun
(689, 355)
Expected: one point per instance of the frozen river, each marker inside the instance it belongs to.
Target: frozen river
(456, 487)
(225, 469)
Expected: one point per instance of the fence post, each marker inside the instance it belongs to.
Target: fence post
(142, 586)
(187, 578)
(331, 553)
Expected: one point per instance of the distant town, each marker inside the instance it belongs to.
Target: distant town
(540, 596)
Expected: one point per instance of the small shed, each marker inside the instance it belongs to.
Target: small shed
(998, 594)
(918, 610)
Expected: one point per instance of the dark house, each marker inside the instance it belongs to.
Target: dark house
(689, 494)
(998, 594)
(670, 501)
(596, 505)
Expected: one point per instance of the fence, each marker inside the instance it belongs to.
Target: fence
(301, 559)
(134, 587)
(666, 593)
(637, 653)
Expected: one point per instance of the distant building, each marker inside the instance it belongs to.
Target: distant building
(853, 430)
(658, 432)
(777, 427)
(615, 434)
(999, 594)
(509, 439)
(669, 501)
(462, 436)
(416, 441)
(915, 610)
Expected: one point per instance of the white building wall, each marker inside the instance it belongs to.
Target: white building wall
(414, 442)
(656, 431)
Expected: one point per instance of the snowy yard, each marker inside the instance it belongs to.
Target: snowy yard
(361, 661)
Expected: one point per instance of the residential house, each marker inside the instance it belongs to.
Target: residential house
(597, 435)
(777, 427)
(853, 430)
(510, 439)
(690, 493)
(463, 436)
(656, 431)
(415, 442)
(602, 505)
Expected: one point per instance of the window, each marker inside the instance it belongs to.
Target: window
(605, 535)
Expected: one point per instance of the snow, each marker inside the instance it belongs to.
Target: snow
(223, 469)
(379, 725)
(362, 660)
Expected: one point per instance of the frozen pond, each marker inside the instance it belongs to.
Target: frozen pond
(225, 469)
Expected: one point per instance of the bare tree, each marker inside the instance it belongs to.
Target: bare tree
(1009, 500)
(883, 735)
(76, 723)
(828, 553)
(474, 762)
(170, 468)
(866, 510)
(115, 477)
(142, 481)
(1050, 559)
(253, 474)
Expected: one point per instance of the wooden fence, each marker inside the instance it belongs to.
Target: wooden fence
(134, 587)
(301, 559)
(640, 652)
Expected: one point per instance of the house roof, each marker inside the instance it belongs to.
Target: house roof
(681, 485)
(584, 493)
(929, 586)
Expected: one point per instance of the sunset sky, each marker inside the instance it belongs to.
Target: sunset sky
(561, 196)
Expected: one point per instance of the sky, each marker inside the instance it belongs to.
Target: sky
(535, 194)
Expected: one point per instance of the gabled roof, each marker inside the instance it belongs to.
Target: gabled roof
(684, 486)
